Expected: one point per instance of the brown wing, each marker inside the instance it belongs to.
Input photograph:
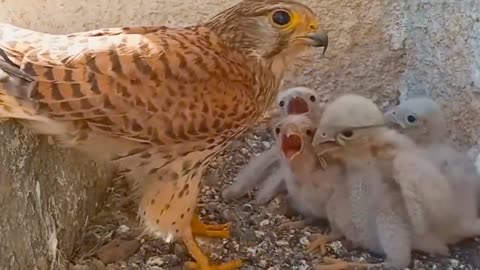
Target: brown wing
(159, 85)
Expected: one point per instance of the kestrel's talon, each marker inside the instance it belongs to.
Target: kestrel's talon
(201, 260)
(330, 263)
(320, 242)
(215, 230)
(290, 225)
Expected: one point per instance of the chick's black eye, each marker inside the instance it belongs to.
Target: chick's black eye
(411, 119)
(347, 133)
(312, 98)
(309, 132)
(282, 103)
(277, 130)
(281, 17)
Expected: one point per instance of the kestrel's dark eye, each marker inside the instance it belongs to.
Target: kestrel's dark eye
(282, 103)
(411, 119)
(281, 17)
(347, 133)
(312, 98)
(277, 130)
(309, 132)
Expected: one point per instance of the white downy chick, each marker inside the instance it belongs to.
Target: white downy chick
(422, 119)
(367, 207)
(308, 186)
(264, 170)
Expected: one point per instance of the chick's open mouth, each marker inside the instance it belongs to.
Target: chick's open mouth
(297, 105)
(291, 145)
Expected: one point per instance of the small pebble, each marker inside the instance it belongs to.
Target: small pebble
(123, 229)
(264, 222)
(454, 263)
(304, 241)
(267, 144)
(282, 243)
(157, 261)
(252, 251)
(259, 234)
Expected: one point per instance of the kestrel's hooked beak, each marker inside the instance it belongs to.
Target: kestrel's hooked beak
(297, 105)
(319, 39)
(292, 145)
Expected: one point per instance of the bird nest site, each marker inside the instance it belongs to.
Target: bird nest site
(223, 164)
(267, 231)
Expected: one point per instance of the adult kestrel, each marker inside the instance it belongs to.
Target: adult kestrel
(157, 102)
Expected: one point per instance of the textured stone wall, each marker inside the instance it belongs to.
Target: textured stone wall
(385, 49)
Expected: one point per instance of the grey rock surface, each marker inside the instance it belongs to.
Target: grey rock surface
(47, 196)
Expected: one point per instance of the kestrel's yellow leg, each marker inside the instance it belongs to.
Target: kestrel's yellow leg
(201, 260)
(337, 264)
(218, 230)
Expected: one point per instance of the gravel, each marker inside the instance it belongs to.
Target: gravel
(256, 237)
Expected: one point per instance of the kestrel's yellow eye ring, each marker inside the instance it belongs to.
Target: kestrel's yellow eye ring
(281, 17)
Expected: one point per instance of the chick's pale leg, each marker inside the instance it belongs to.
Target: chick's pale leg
(321, 240)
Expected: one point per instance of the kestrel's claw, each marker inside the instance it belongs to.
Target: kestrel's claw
(320, 242)
(292, 225)
(214, 230)
(337, 264)
(201, 260)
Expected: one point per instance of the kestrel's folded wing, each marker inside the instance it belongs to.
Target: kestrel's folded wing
(154, 85)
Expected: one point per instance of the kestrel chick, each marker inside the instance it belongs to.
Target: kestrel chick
(423, 120)
(157, 102)
(265, 170)
(300, 100)
(371, 213)
(308, 186)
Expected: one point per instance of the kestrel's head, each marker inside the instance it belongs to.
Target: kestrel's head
(421, 118)
(348, 122)
(270, 28)
(292, 133)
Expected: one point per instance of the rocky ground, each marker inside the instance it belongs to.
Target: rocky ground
(256, 239)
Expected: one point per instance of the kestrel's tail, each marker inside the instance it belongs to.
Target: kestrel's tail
(15, 43)
(12, 107)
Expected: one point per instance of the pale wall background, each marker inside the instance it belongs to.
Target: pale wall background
(385, 49)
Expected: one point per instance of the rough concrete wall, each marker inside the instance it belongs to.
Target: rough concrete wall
(46, 197)
(443, 60)
(381, 48)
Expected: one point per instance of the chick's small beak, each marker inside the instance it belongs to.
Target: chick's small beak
(392, 121)
(323, 143)
(319, 39)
